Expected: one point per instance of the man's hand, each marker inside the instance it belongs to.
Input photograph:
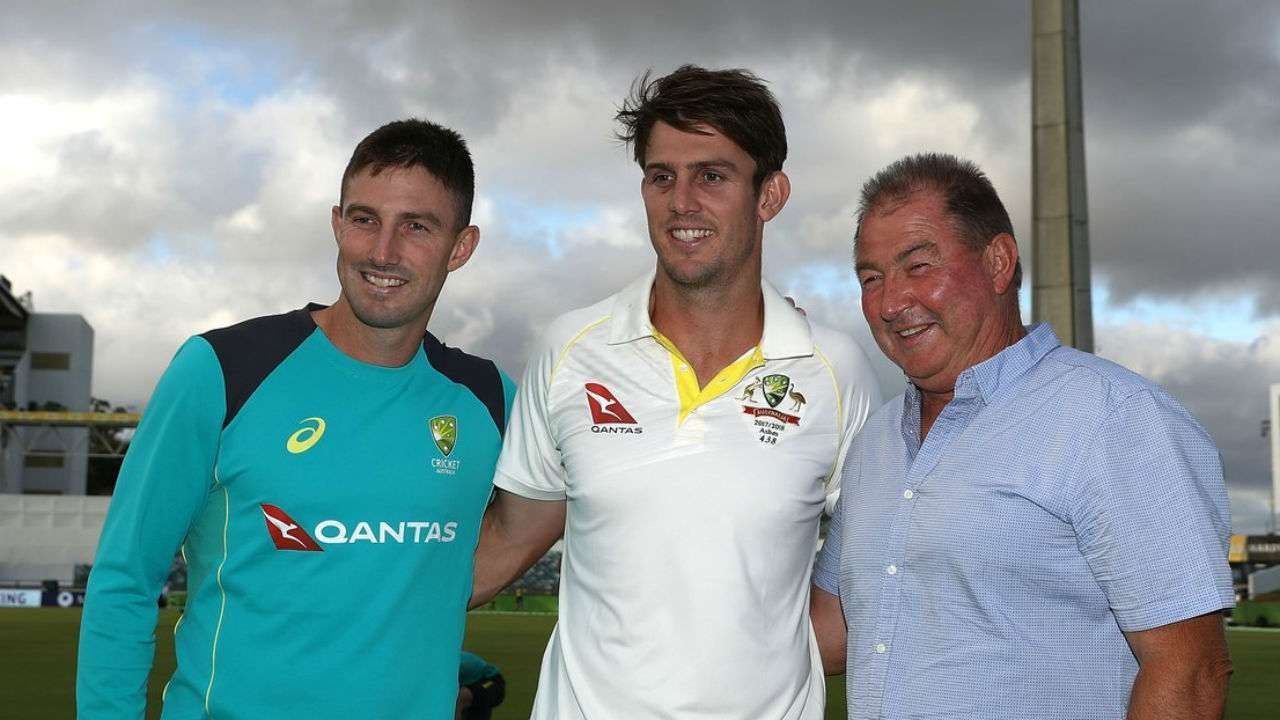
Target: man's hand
(1183, 669)
(464, 702)
(828, 625)
(515, 532)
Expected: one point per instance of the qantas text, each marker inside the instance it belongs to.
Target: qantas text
(413, 532)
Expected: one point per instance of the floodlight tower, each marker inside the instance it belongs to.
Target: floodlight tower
(1275, 457)
(1060, 234)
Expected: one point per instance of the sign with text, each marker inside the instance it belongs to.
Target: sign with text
(13, 597)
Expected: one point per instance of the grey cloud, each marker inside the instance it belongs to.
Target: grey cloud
(1176, 222)
(1152, 66)
(1181, 107)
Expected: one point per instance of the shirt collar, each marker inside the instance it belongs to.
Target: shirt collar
(786, 331)
(1003, 369)
(988, 377)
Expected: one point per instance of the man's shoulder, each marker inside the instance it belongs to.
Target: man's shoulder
(848, 359)
(887, 417)
(837, 346)
(249, 336)
(1088, 376)
(578, 324)
(249, 351)
(453, 361)
(1086, 385)
(481, 376)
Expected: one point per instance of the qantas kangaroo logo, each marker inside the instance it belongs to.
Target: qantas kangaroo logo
(605, 408)
(286, 533)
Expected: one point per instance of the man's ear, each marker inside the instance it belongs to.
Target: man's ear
(464, 244)
(335, 221)
(1001, 260)
(773, 195)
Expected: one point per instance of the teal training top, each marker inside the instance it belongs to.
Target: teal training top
(474, 668)
(328, 511)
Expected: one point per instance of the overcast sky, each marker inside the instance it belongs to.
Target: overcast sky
(170, 169)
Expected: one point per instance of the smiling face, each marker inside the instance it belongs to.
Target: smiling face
(705, 216)
(397, 241)
(935, 305)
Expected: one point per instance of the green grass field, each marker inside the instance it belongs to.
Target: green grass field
(37, 663)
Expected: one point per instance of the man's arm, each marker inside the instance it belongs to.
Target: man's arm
(1183, 669)
(164, 481)
(828, 626)
(1151, 517)
(515, 532)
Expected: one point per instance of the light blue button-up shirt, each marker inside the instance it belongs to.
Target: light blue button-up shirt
(1058, 501)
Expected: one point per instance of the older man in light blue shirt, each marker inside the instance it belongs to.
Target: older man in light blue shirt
(1029, 531)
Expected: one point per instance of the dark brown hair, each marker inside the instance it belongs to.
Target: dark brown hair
(418, 143)
(735, 102)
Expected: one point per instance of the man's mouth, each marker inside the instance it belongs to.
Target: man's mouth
(382, 281)
(911, 332)
(691, 234)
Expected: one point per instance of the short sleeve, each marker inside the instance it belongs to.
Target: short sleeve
(530, 464)
(859, 392)
(1151, 515)
(826, 571)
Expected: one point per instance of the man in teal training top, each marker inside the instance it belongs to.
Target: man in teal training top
(324, 472)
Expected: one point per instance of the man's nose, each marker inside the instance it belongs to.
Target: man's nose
(386, 247)
(684, 198)
(895, 297)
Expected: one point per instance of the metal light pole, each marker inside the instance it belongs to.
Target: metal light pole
(1060, 233)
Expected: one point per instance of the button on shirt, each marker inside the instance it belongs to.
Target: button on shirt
(1058, 501)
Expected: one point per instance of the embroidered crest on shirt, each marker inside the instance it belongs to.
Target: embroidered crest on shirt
(444, 431)
(769, 422)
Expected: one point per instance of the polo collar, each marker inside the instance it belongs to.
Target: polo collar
(786, 331)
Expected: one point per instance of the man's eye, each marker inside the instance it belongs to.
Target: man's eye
(660, 178)
(868, 279)
(918, 267)
(417, 227)
(711, 177)
(361, 220)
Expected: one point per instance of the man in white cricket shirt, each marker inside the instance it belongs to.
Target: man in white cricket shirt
(683, 436)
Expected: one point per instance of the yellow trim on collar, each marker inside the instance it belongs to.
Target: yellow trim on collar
(691, 395)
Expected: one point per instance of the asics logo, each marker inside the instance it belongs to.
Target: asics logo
(304, 438)
(604, 407)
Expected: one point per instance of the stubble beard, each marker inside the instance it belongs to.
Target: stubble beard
(375, 314)
(716, 273)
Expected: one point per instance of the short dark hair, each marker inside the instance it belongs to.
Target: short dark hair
(735, 102)
(418, 143)
(971, 202)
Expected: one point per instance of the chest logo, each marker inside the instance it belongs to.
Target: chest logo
(285, 532)
(769, 423)
(607, 413)
(605, 408)
(304, 438)
(444, 430)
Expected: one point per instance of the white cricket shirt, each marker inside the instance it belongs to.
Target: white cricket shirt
(692, 512)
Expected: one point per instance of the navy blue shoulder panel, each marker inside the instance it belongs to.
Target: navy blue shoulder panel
(479, 375)
(249, 351)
